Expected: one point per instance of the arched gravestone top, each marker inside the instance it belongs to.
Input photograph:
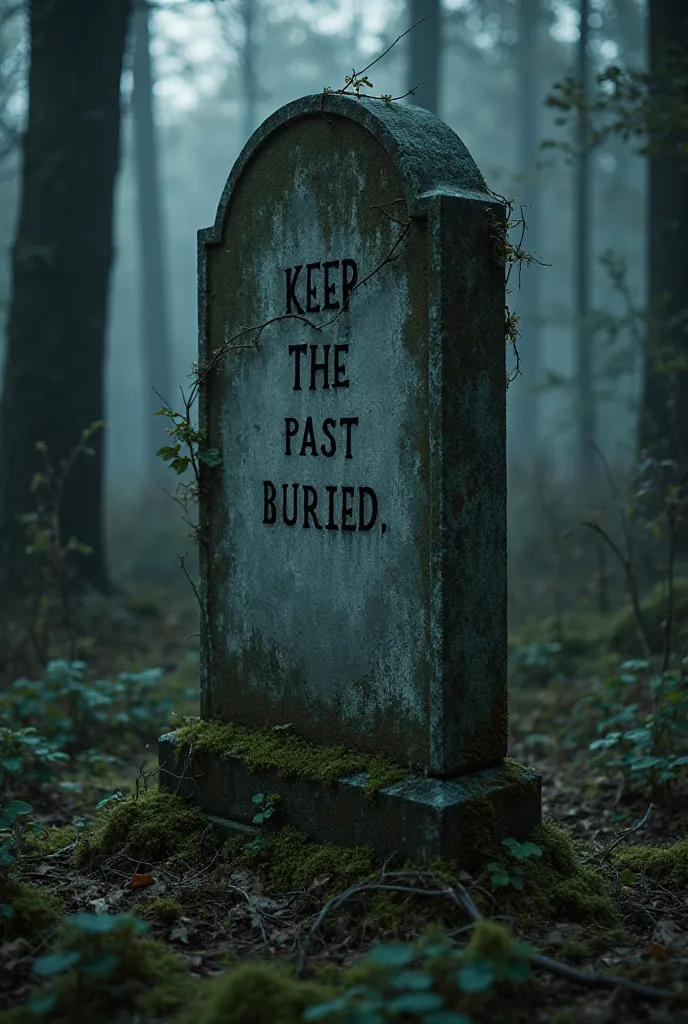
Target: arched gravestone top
(431, 157)
(353, 563)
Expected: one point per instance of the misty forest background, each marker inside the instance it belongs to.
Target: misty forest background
(194, 90)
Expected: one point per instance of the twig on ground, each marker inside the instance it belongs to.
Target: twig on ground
(461, 897)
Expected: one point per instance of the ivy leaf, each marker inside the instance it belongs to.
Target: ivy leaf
(258, 798)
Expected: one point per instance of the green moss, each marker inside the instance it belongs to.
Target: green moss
(161, 909)
(567, 1015)
(490, 940)
(574, 949)
(667, 864)
(286, 754)
(258, 993)
(156, 827)
(36, 911)
(557, 886)
(49, 840)
(622, 632)
(291, 861)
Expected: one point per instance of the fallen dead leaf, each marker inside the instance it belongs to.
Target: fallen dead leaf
(140, 881)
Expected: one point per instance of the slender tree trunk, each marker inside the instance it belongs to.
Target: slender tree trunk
(524, 399)
(153, 292)
(664, 416)
(53, 375)
(582, 257)
(248, 67)
(424, 49)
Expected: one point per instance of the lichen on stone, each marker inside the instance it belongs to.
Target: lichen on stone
(286, 754)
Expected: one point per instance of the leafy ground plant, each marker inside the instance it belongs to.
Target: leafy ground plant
(431, 981)
(501, 875)
(74, 711)
(102, 966)
(643, 731)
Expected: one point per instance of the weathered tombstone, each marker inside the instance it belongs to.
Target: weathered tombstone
(353, 535)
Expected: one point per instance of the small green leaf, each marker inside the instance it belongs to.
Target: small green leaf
(518, 971)
(446, 1017)
(210, 456)
(258, 798)
(475, 977)
(109, 799)
(101, 966)
(516, 881)
(392, 955)
(56, 963)
(42, 1003)
(416, 981)
(415, 1002)
(527, 850)
(17, 809)
(13, 765)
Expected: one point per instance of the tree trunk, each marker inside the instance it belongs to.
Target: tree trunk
(664, 415)
(53, 375)
(153, 293)
(582, 257)
(523, 397)
(248, 67)
(424, 48)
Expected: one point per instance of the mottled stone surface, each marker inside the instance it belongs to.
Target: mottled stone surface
(390, 639)
(418, 817)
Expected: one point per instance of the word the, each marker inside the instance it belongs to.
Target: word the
(338, 369)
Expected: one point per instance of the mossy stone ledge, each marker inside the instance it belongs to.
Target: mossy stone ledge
(418, 816)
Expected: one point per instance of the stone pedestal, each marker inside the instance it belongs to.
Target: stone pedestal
(418, 817)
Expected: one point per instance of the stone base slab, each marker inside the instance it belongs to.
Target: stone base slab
(418, 817)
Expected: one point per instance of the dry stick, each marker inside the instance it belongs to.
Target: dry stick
(460, 896)
(605, 854)
(631, 582)
(357, 74)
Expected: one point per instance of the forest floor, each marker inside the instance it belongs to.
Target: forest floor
(223, 907)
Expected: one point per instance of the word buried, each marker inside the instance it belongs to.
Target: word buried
(299, 503)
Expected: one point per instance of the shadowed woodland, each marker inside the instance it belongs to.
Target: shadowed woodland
(119, 124)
